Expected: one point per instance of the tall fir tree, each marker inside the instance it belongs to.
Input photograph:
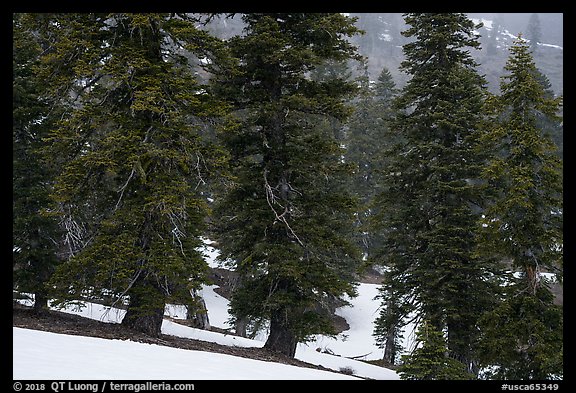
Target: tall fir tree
(129, 156)
(426, 211)
(534, 32)
(522, 226)
(35, 230)
(286, 219)
(388, 324)
(367, 135)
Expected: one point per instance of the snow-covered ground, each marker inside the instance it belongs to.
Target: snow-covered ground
(42, 355)
(50, 356)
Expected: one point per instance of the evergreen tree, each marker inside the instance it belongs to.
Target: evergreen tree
(286, 219)
(388, 324)
(426, 211)
(522, 338)
(523, 223)
(385, 89)
(552, 127)
(328, 71)
(35, 231)
(366, 135)
(368, 141)
(534, 32)
(430, 360)
(130, 158)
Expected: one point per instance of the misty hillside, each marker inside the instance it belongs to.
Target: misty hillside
(382, 43)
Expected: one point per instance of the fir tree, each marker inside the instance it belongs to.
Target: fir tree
(368, 140)
(534, 32)
(130, 158)
(385, 89)
(426, 210)
(522, 225)
(367, 135)
(35, 230)
(388, 324)
(430, 360)
(286, 219)
(552, 127)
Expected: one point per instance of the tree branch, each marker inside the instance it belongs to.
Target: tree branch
(271, 199)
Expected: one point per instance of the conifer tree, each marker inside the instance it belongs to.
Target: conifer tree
(522, 225)
(130, 158)
(534, 32)
(367, 135)
(430, 360)
(551, 127)
(286, 219)
(35, 231)
(426, 209)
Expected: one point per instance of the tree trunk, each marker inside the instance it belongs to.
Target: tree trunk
(43, 273)
(197, 312)
(390, 347)
(241, 326)
(532, 278)
(459, 347)
(281, 338)
(40, 302)
(146, 309)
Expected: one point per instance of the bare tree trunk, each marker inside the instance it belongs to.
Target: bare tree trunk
(198, 312)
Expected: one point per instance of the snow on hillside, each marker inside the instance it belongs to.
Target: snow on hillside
(50, 356)
(505, 34)
(355, 342)
(44, 355)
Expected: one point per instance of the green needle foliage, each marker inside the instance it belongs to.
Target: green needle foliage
(367, 137)
(430, 360)
(129, 157)
(286, 219)
(35, 230)
(523, 224)
(426, 212)
(126, 127)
